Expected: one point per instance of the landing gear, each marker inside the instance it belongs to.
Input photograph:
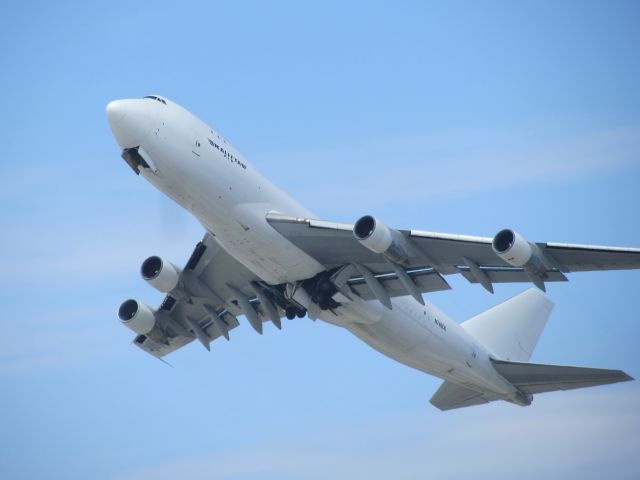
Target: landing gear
(321, 289)
(277, 293)
(292, 313)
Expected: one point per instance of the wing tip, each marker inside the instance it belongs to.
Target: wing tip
(625, 377)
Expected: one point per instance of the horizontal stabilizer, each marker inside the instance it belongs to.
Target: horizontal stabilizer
(451, 395)
(532, 378)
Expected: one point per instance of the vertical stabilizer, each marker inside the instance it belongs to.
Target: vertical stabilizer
(511, 329)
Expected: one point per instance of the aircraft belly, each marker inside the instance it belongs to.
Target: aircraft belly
(412, 351)
(401, 338)
(245, 234)
(406, 335)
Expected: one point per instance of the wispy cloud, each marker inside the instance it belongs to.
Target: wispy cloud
(418, 167)
(57, 358)
(39, 340)
(563, 435)
(64, 249)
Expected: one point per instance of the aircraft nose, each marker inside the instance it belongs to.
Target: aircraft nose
(116, 111)
(130, 121)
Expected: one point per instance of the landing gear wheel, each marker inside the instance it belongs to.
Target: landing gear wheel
(290, 312)
(301, 313)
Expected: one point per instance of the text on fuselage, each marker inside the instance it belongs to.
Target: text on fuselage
(440, 324)
(227, 154)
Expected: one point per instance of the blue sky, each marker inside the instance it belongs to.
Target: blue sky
(449, 116)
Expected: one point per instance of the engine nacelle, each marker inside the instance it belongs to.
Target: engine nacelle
(160, 274)
(379, 238)
(136, 316)
(511, 247)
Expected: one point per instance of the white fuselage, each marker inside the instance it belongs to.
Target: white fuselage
(198, 169)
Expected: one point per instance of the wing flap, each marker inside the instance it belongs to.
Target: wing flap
(509, 275)
(426, 279)
(532, 378)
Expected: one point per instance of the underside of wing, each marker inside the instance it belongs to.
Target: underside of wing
(204, 301)
(425, 279)
(505, 258)
(583, 258)
(367, 259)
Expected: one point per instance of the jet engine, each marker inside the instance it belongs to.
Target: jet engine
(512, 247)
(136, 316)
(379, 238)
(160, 274)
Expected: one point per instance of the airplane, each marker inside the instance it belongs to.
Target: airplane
(266, 257)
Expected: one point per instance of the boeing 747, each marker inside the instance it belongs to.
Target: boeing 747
(265, 257)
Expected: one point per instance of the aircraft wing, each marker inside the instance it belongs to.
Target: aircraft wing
(214, 288)
(334, 244)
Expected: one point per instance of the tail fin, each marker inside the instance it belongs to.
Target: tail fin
(511, 329)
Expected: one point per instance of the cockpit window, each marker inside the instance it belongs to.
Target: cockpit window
(153, 97)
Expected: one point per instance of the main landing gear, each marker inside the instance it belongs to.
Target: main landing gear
(292, 313)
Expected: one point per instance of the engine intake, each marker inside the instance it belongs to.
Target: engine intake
(511, 247)
(136, 316)
(161, 275)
